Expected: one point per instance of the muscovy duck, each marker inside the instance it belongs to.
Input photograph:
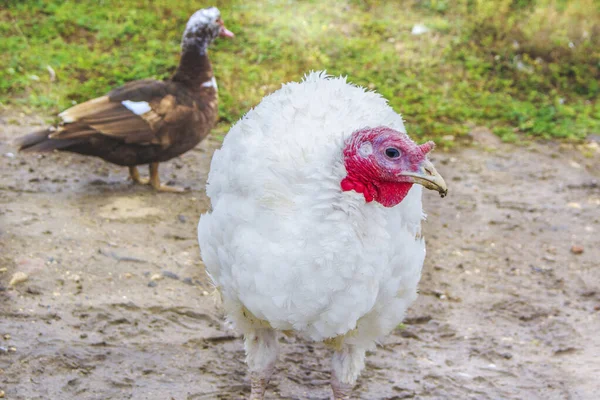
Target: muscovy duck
(146, 121)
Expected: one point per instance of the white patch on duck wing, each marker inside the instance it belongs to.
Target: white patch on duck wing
(211, 83)
(137, 107)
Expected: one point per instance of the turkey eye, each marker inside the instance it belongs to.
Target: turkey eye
(392, 152)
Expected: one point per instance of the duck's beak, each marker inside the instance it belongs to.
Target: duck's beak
(428, 177)
(224, 32)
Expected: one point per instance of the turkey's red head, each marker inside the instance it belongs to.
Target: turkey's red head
(383, 164)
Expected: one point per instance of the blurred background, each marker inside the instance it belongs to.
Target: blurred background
(522, 68)
(102, 290)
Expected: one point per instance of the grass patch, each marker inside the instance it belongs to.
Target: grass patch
(519, 67)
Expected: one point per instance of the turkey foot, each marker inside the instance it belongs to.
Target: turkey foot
(341, 391)
(258, 386)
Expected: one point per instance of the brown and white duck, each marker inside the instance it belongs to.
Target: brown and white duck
(146, 121)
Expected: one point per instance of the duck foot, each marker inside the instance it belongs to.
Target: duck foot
(154, 180)
(169, 189)
(134, 175)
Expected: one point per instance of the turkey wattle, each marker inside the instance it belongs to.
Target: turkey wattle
(315, 223)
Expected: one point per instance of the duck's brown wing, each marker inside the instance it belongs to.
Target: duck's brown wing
(134, 113)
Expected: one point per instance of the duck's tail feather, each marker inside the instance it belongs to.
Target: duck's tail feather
(40, 142)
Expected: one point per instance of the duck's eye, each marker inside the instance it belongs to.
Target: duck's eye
(392, 152)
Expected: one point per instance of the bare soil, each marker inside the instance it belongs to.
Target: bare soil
(116, 304)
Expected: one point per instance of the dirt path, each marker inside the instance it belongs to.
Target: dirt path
(116, 304)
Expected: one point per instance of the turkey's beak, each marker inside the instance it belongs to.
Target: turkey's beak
(428, 177)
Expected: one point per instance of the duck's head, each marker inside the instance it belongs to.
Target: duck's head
(203, 27)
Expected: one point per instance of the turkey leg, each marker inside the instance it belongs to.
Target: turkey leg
(261, 354)
(346, 364)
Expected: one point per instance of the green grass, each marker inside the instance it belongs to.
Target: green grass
(524, 68)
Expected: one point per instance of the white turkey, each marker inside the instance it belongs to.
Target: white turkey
(315, 226)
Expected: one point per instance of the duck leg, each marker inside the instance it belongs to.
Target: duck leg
(135, 176)
(346, 364)
(155, 181)
(261, 354)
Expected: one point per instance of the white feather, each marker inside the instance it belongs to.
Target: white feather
(285, 242)
(201, 18)
(137, 107)
(211, 83)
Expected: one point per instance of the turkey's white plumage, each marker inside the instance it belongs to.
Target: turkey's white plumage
(285, 243)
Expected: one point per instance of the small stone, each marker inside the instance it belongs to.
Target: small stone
(18, 277)
(181, 218)
(127, 275)
(169, 274)
(6, 337)
(12, 349)
(204, 293)
(576, 249)
(3, 269)
(152, 284)
(83, 336)
(1, 394)
(156, 277)
(75, 278)
(188, 281)
(409, 334)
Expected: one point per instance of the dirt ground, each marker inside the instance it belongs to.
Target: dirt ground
(116, 304)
